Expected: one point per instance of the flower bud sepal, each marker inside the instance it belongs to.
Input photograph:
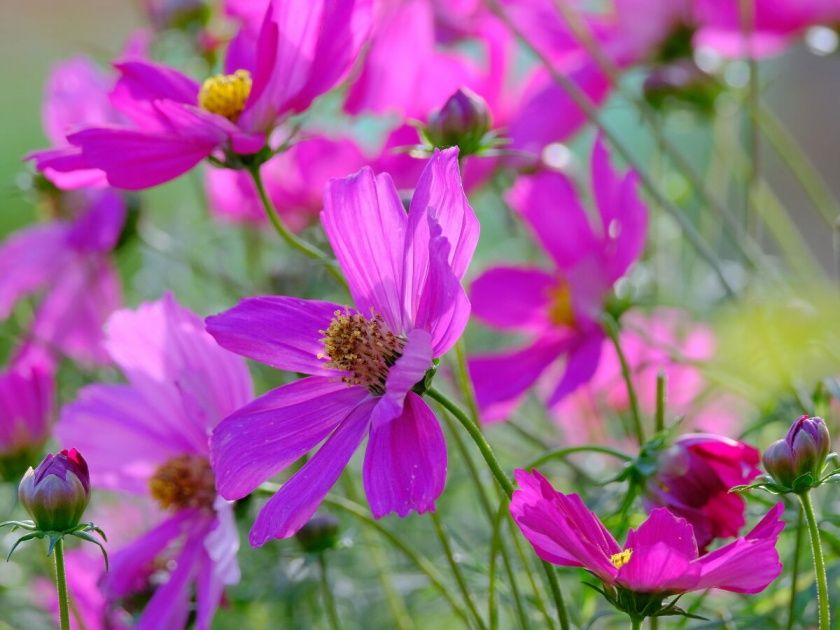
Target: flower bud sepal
(83, 531)
(639, 606)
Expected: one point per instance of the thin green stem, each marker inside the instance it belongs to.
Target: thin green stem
(636, 623)
(477, 437)
(456, 570)
(797, 547)
(560, 453)
(611, 328)
(654, 623)
(554, 585)
(819, 562)
(293, 240)
(327, 594)
(61, 585)
(660, 401)
(524, 558)
(422, 563)
(464, 381)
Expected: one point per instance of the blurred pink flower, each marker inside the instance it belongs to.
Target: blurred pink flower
(151, 437)
(661, 556)
(68, 263)
(303, 50)
(404, 272)
(27, 392)
(667, 340)
(693, 479)
(560, 309)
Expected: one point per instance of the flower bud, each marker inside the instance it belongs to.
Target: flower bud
(462, 121)
(57, 492)
(319, 534)
(803, 451)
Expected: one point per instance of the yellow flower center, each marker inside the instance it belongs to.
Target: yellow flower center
(225, 94)
(363, 347)
(560, 309)
(621, 558)
(186, 481)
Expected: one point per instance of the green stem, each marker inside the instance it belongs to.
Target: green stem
(611, 328)
(636, 623)
(326, 592)
(464, 380)
(819, 562)
(61, 585)
(560, 453)
(422, 563)
(562, 614)
(456, 570)
(477, 437)
(293, 240)
(660, 401)
(795, 570)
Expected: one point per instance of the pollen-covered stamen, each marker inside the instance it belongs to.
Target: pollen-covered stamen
(621, 558)
(560, 308)
(225, 94)
(186, 481)
(363, 347)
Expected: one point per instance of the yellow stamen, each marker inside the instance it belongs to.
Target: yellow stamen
(560, 309)
(621, 558)
(225, 94)
(363, 347)
(186, 481)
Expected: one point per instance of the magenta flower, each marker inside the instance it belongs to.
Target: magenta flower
(68, 264)
(57, 492)
(404, 274)
(150, 437)
(294, 180)
(559, 309)
(660, 557)
(27, 391)
(303, 50)
(693, 479)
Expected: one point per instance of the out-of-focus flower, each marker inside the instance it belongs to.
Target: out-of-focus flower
(150, 437)
(27, 390)
(319, 534)
(797, 461)
(57, 492)
(294, 180)
(68, 264)
(303, 50)
(693, 479)
(164, 14)
(560, 309)
(404, 272)
(660, 557)
(665, 340)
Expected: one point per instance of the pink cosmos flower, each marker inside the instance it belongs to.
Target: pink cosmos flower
(294, 180)
(693, 479)
(404, 273)
(27, 390)
(150, 437)
(661, 556)
(560, 309)
(68, 264)
(668, 340)
(303, 50)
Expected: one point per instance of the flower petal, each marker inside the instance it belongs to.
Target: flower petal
(366, 225)
(405, 462)
(29, 258)
(283, 332)
(580, 366)
(264, 437)
(513, 298)
(298, 499)
(408, 370)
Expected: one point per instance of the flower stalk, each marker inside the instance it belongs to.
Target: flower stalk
(819, 561)
(61, 586)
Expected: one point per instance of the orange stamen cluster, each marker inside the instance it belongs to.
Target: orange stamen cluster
(363, 347)
(560, 309)
(186, 481)
(621, 558)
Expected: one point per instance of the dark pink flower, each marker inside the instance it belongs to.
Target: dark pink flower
(303, 50)
(150, 437)
(693, 479)
(404, 272)
(57, 492)
(560, 309)
(660, 556)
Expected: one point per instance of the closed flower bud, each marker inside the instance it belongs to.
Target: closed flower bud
(319, 534)
(57, 492)
(803, 451)
(462, 121)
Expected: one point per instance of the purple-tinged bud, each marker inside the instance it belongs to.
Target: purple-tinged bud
(462, 121)
(319, 534)
(57, 492)
(803, 451)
